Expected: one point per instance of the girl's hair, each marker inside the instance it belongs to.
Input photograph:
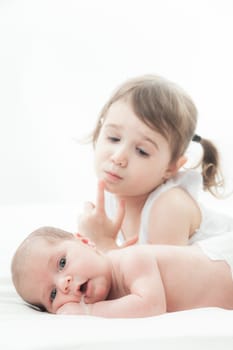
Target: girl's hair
(167, 109)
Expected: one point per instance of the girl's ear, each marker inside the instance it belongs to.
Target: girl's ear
(180, 162)
(174, 167)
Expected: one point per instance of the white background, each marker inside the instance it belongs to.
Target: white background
(61, 59)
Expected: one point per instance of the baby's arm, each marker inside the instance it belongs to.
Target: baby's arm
(146, 292)
(146, 298)
(173, 218)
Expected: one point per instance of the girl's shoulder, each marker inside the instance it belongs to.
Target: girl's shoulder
(184, 187)
(188, 180)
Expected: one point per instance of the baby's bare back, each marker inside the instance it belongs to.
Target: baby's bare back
(183, 277)
(192, 280)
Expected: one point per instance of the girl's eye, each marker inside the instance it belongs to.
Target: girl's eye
(53, 294)
(62, 263)
(142, 152)
(113, 139)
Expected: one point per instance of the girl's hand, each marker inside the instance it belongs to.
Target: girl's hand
(95, 224)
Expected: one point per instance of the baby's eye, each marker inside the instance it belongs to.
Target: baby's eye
(62, 263)
(142, 152)
(53, 294)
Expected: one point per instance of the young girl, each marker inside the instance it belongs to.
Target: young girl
(140, 141)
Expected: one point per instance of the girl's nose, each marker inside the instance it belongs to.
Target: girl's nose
(64, 283)
(119, 158)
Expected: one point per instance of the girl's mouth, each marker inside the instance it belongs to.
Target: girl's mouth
(112, 176)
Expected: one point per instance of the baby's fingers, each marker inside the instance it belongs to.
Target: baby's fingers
(68, 309)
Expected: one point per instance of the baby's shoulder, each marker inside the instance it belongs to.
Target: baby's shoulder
(132, 255)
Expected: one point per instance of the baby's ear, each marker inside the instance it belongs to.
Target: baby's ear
(85, 240)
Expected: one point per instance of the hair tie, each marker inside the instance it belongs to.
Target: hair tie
(196, 138)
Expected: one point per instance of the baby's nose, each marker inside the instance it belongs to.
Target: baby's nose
(64, 283)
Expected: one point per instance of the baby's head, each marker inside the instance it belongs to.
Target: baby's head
(26, 253)
(161, 105)
(53, 267)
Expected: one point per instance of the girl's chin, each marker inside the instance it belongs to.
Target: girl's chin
(111, 187)
(112, 190)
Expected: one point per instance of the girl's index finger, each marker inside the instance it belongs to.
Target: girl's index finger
(100, 197)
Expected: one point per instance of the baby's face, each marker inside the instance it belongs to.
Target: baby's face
(64, 272)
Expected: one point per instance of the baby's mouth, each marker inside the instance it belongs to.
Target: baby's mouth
(83, 287)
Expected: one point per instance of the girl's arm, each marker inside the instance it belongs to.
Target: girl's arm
(95, 224)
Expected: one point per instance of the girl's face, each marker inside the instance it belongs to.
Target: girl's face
(130, 157)
(65, 272)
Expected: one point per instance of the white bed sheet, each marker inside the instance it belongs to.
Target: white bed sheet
(22, 327)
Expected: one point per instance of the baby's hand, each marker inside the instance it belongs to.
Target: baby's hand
(73, 308)
(95, 224)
